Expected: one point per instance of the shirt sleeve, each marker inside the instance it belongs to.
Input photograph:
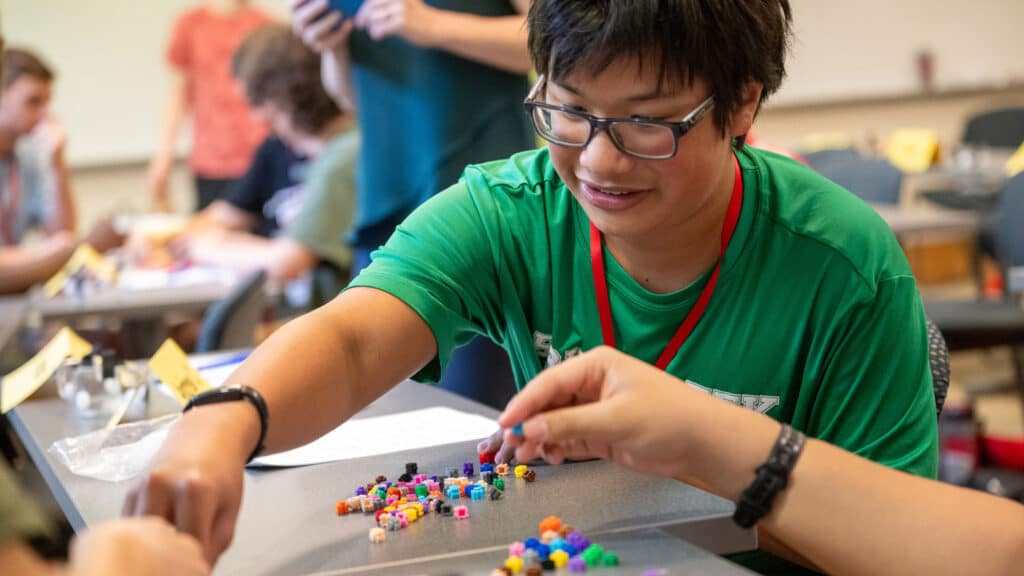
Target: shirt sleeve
(328, 209)
(441, 262)
(876, 398)
(253, 189)
(178, 50)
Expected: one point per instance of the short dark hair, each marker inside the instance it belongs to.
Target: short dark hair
(726, 42)
(18, 63)
(275, 66)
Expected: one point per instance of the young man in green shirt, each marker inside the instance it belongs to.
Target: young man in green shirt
(645, 224)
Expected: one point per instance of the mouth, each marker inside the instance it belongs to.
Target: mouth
(608, 197)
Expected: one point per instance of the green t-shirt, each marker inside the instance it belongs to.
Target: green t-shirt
(328, 206)
(815, 321)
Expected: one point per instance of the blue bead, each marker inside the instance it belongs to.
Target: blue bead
(544, 550)
(558, 544)
(531, 543)
(518, 429)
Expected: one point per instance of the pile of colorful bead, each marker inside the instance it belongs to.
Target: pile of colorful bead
(395, 505)
(558, 546)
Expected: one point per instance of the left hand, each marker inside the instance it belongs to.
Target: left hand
(409, 19)
(53, 137)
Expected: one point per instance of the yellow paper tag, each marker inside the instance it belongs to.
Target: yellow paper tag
(1015, 165)
(913, 150)
(84, 257)
(170, 364)
(24, 381)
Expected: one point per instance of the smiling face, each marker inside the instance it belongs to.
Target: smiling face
(628, 197)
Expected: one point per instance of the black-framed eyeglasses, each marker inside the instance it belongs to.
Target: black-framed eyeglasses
(640, 138)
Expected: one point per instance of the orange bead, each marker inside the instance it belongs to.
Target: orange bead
(551, 523)
(341, 507)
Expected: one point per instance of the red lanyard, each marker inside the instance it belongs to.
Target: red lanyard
(690, 322)
(9, 213)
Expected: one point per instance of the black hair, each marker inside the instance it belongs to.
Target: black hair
(728, 43)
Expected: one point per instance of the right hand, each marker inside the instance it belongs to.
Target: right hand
(147, 546)
(195, 482)
(157, 178)
(606, 404)
(321, 33)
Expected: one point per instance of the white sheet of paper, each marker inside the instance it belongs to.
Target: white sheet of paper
(364, 437)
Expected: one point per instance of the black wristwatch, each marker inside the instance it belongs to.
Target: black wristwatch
(234, 394)
(772, 476)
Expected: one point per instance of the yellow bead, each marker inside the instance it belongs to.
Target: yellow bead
(559, 557)
(520, 470)
(515, 564)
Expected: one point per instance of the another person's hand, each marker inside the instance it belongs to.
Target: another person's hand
(148, 546)
(412, 20)
(321, 32)
(195, 480)
(605, 404)
(52, 137)
(495, 444)
(157, 181)
(104, 237)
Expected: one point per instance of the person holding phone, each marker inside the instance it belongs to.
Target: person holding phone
(435, 86)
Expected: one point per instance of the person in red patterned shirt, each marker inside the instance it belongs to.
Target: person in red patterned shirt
(224, 133)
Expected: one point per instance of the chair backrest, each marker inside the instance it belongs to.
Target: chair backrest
(1003, 128)
(938, 360)
(1010, 233)
(874, 180)
(230, 322)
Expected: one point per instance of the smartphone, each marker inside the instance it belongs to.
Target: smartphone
(347, 8)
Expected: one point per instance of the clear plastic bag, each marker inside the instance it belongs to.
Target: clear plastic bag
(117, 454)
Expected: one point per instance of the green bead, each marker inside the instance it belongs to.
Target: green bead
(422, 490)
(592, 555)
(499, 483)
(610, 559)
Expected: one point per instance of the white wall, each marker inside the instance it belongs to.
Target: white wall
(109, 57)
(849, 48)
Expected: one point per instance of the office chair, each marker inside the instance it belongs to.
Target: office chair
(230, 322)
(873, 180)
(1001, 128)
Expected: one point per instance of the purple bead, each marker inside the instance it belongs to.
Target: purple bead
(577, 564)
(467, 469)
(361, 491)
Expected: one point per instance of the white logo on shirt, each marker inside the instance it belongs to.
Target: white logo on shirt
(760, 403)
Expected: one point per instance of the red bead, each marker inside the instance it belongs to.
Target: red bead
(487, 458)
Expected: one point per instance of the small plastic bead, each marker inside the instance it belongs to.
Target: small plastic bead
(516, 549)
(461, 512)
(341, 508)
(515, 564)
(550, 524)
(520, 470)
(559, 558)
(529, 475)
(378, 535)
(577, 564)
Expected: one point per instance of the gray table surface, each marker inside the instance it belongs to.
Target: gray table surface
(131, 304)
(287, 524)
(910, 220)
(639, 551)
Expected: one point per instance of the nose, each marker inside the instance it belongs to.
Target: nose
(602, 156)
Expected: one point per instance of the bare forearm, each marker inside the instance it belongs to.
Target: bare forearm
(336, 73)
(22, 268)
(65, 214)
(320, 369)
(496, 41)
(175, 110)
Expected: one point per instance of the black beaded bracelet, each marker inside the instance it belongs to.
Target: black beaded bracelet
(756, 501)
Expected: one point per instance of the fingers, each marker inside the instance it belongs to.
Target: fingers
(381, 18)
(574, 381)
(568, 432)
(194, 512)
